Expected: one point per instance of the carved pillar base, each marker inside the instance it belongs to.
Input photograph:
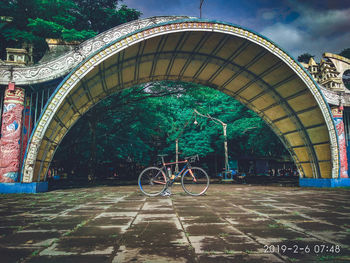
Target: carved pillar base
(338, 118)
(10, 141)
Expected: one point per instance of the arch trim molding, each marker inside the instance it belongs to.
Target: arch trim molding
(143, 34)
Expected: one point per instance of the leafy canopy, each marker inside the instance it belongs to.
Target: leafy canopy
(345, 53)
(305, 57)
(139, 123)
(31, 21)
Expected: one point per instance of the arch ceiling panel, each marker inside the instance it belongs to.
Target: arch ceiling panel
(225, 57)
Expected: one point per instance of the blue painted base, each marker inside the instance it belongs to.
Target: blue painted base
(312, 182)
(18, 188)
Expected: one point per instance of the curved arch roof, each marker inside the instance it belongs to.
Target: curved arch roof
(231, 59)
(63, 65)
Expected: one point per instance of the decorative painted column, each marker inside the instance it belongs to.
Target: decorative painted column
(28, 126)
(338, 118)
(343, 180)
(10, 141)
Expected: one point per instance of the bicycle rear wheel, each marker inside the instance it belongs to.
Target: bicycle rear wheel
(152, 181)
(195, 183)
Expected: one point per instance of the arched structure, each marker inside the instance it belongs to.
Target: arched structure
(223, 56)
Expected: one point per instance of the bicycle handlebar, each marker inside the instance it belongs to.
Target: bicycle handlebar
(192, 158)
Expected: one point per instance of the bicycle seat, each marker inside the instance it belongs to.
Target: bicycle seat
(162, 155)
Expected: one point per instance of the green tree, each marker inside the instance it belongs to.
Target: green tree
(118, 129)
(92, 11)
(346, 76)
(139, 123)
(305, 57)
(345, 53)
(31, 21)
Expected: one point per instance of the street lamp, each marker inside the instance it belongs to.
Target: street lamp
(224, 127)
(200, 8)
(195, 120)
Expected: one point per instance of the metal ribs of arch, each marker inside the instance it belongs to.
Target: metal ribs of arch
(228, 58)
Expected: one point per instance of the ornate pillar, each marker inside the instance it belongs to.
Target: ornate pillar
(27, 126)
(10, 140)
(338, 118)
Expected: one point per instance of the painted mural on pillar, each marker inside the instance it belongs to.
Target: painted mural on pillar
(27, 129)
(338, 118)
(10, 141)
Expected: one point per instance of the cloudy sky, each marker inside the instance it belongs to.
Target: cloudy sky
(297, 26)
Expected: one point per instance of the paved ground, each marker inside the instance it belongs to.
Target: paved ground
(232, 223)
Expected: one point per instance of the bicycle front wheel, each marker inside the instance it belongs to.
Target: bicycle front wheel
(152, 181)
(195, 181)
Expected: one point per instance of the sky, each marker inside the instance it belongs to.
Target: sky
(297, 26)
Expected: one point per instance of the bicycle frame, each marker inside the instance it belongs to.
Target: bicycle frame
(187, 165)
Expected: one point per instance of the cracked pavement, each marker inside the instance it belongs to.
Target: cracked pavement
(231, 223)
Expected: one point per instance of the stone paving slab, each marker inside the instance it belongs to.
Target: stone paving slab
(231, 223)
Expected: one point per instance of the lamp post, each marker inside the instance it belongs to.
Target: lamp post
(200, 8)
(224, 127)
(177, 155)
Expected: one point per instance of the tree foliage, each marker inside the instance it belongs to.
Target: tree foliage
(137, 124)
(305, 57)
(345, 53)
(31, 21)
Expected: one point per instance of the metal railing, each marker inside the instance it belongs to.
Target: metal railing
(346, 119)
(2, 94)
(34, 103)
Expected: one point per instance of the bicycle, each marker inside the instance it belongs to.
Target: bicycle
(194, 180)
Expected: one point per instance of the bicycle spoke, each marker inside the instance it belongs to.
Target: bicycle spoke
(152, 181)
(195, 181)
